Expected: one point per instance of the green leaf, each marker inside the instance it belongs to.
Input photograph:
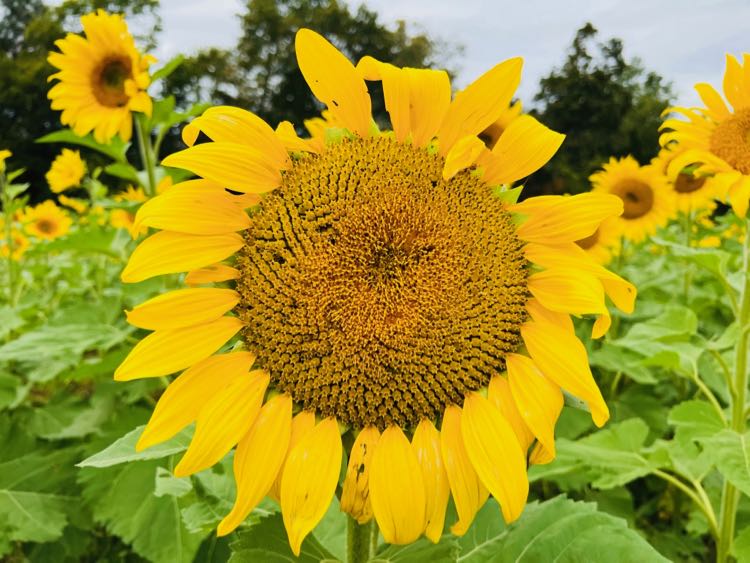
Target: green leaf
(123, 450)
(94, 240)
(741, 545)
(168, 484)
(730, 452)
(559, 530)
(168, 68)
(714, 260)
(267, 541)
(420, 551)
(696, 419)
(123, 170)
(70, 418)
(11, 390)
(675, 322)
(509, 196)
(616, 358)
(116, 149)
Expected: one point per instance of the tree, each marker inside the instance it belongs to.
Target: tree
(605, 104)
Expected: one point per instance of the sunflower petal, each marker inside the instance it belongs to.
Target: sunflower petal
(355, 495)
(166, 252)
(223, 421)
(309, 480)
(183, 307)
(426, 445)
(211, 274)
(495, 454)
(302, 425)
(469, 494)
(397, 488)
(568, 290)
(500, 395)
(334, 81)
(183, 400)
(542, 314)
(432, 89)
(395, 91)
(293, 142)
(259, 456)
(168, 351)
(463, 154)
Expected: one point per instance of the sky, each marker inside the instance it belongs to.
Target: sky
(685, 41)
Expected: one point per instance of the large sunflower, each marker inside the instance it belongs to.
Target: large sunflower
(715, 139)
(103, 78)
(66, 172)
(646, 196)
(46, 221)
(383, 296)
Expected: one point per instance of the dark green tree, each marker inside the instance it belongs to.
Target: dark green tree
(605, 104)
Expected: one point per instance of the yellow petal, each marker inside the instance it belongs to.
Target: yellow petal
(223, 421)
(480, 104)
(238, 167)
(395, 91)
(228, 124)
(397, 488)
(566, 218)
(293, 142)
(430, 100)
(334, 81)
(302, 425)
(183, 307)
(562, 358)
(463, 154)
(183, 400)
(713, 101)
(495, 454)
(170, 253)
(426, 445)
(211, 274)
(197, 207)
(500, 395)
(540, 455)
(167, 351)
(540, 313)
(311, 473)
(568, 290)
(523, 148)
(355, 494)
(538, 399)
(469, 494)
(739, 196)
(601, 325)
(259, 456)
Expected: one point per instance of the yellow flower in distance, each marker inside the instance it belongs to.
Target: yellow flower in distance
(715, 139)
(46, 221)
(691, 192)
(379, 289)
(76, 204)
(102, 78)
(20, 245)
(66, 172)
(647, 198)
(4, 155)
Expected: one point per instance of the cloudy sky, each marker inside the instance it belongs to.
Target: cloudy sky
(683, 40)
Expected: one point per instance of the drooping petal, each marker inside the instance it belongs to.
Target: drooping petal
(223, 421)
(183, 307)
(168, 351)
(462, 155)
(541, 313)
(211, 274)
(397, 488)
(469, 494)
(395, 91)
(293, 142)
(183, 400)
(238, 167)
(302, 425)
(500, 395)
(562, 358)
(523, 148)
(166, 252)
(538, 399)
(568, 290)
(334, 81)
(309, 480)
(480, 104)
(355, 495)
(259, 456)
(426, 445)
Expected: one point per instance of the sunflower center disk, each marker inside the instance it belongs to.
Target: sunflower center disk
(637, 198)
(108, 82)
(376, 292)
(731, 141)
(687, 183)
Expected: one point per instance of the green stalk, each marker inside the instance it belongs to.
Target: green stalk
(147, 153)
(730, 495)
(688, 242)
(358, 541)
(8, 218)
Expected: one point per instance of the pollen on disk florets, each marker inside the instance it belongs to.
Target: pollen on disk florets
(377, 292)
(637, 197)
(731, 140)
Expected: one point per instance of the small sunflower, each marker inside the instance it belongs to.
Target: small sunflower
(645, 194)
(76, 204)
(66, 172)
(692, 193)
(382, 296)
(715, 139)
(46, 221)
(604, 243)
(103, 78)
(4, 155)
(20, 245)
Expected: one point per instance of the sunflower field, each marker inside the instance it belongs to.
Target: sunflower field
(354, 337)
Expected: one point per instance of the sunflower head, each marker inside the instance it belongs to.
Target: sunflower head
(102, 78)
(19, 243)
(46, 221)
(380, 295)
(66, 172)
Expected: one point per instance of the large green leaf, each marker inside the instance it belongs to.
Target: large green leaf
(419, 551)
(730, 452)
(559, 530)
(696, 419)
(116, 149)
(123, 449)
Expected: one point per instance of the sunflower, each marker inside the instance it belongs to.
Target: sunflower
(691, 192)
(66, 172)
(20, 245)
(604, 242)
(647, 199)
(46, 221)
(715, 139)
(4, 155)
(103, 78)
(381, 296)
(76, 204)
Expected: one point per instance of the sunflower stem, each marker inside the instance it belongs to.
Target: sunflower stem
(8, 226)
(688, 242)
(147, 153)
(730, 494)
(358, 541)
